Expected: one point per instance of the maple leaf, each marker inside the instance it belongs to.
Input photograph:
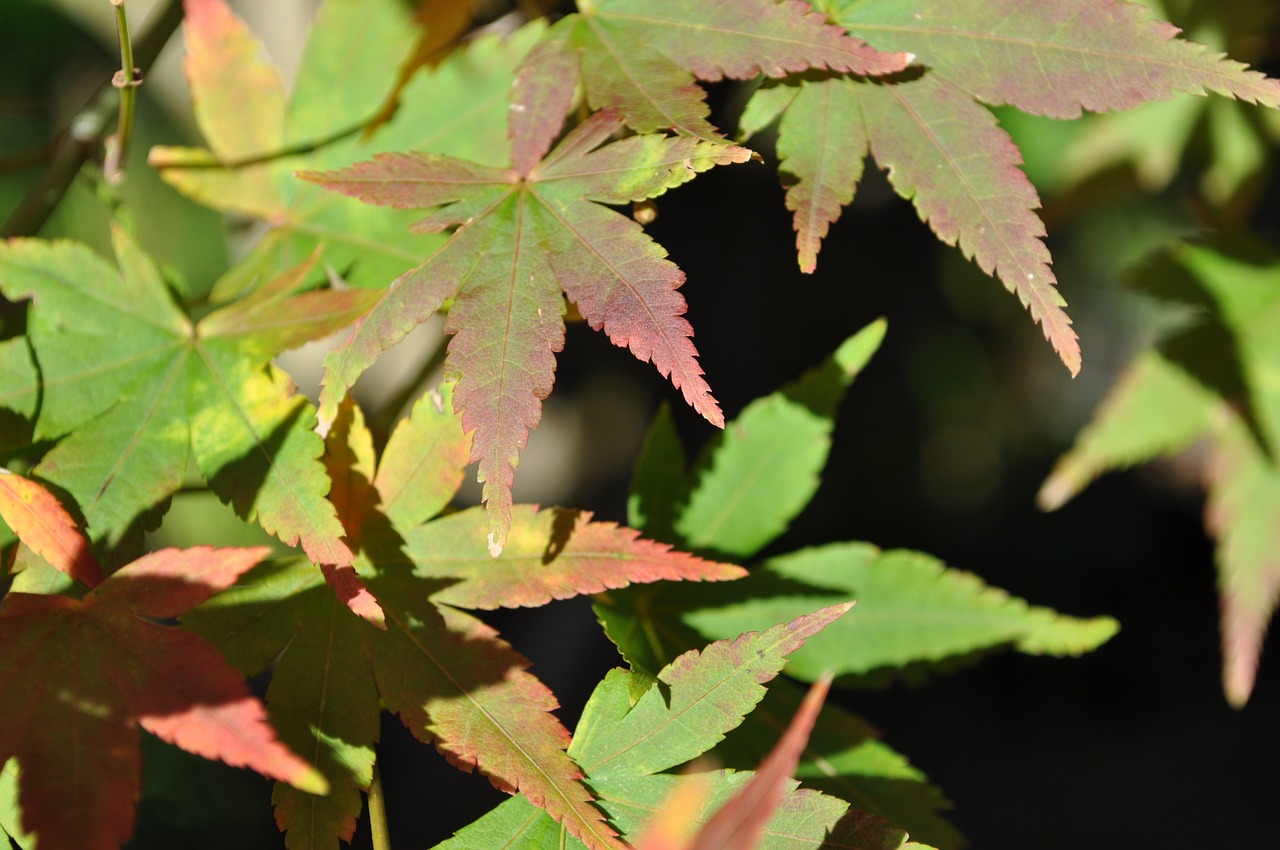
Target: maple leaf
(78, 676)
(131, 388)
(525, 235)
(945, 152)
(759, 474)
(913, 616)
(1219, 375)
(448, 676)
(623, 743)
(913, 612)
(457, 108)
(640, 58)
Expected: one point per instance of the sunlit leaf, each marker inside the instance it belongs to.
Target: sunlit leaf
(78, 677)
(522, 239)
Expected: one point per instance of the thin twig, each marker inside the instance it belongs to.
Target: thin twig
(127, 80)
(378, 814)
(22, 160)
(80, 142)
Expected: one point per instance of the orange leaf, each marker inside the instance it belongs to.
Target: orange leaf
(43, 524)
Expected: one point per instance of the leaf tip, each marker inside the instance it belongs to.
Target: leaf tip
(1072, 359)
(311, 781)
(1055, 492)
(496, 544)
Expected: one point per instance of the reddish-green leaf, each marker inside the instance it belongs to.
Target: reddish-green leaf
(41, 522)
(641, 58)
(1054, 57)
(76, 677)
(1220, 375)
(942, 151)
(1243, 513)
(739, 824)
(522, 238)
(1133, 425)
(947, 155)
(945, 152)
(846, 759)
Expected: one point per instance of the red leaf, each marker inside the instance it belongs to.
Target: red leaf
(75, 677)
(42, 523)
(740, 823)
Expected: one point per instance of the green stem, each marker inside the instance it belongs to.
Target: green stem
(80, 141)
(378, 814)
(127, 80)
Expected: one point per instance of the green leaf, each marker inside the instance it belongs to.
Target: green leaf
(423, 464)
(19, 393)
(340, 86)
(1133, 426)
(10, 814)
(521, 240)
(659, 488)
(911, 610)
(700, 696)
(764, 469)
(133, 388)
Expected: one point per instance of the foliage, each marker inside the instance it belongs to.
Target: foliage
(1218, 371)
(489, 186)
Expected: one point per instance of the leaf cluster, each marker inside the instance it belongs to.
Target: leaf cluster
(490, 187)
